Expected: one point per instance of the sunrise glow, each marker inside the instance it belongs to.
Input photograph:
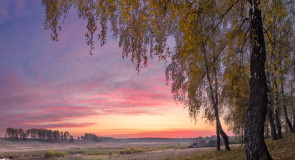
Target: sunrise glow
(59, 85)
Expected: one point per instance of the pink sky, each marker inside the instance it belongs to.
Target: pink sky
(59, 85)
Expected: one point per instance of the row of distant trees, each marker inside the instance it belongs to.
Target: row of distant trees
(38, 134)
(95, 138)
(49, 135)
(89, 137)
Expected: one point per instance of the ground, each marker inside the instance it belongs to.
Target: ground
(283, 149)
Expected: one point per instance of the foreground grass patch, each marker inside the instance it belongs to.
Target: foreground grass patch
(236, 153)
(282, 149)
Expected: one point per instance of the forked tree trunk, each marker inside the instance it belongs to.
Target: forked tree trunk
(254, 132)
(224, 137)
(285, 108)
(269, 109)
(214, 98)
(222, 133)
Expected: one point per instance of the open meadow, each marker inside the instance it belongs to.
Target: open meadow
(283, 149)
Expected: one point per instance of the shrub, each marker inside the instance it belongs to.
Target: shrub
(128, 152)
(131, 151)
(50, 153)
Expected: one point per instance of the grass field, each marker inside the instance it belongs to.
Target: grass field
(283, 149)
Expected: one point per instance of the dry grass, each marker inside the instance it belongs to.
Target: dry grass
(283, 149)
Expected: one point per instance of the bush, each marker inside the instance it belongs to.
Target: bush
(128, 152)
(131, 151)
(50, 153)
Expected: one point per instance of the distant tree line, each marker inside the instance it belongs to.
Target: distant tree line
(89, 137)
(38, 134)
(48, 135)
(95, 138)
